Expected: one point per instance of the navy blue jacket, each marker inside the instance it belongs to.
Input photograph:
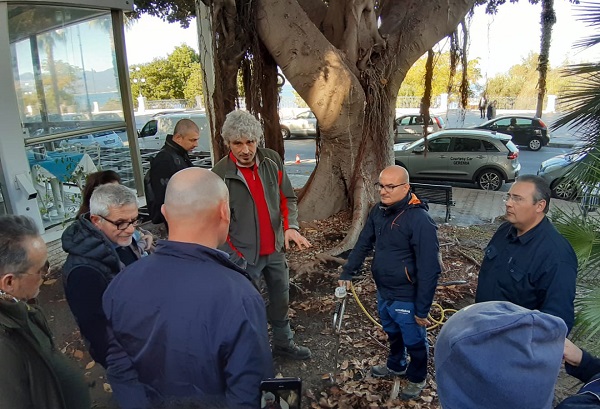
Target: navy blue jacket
(587, 372)
(186, 325)
(406, 265)
(537, 270)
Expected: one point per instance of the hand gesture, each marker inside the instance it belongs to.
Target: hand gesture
(295, 236)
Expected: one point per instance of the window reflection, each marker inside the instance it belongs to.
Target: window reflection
(64, 66)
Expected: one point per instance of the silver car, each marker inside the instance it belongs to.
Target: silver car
(305, 124)
(408, 128)
(555, 169)
(462, 155)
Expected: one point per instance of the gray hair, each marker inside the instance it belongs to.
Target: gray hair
(14, 233)
(542, 190)
(240, 123)
(110, 195)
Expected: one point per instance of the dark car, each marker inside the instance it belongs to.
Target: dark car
(525, 130)
(462, 155)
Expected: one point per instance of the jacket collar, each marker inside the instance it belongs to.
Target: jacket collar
(410, 200)
(169, 143)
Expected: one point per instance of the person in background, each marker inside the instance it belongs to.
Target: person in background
(143, 237)
(34, 373)
(585, 367)
(527, 261)
(498, 355)
(482, 106)
(172, 158)
(491, 110)
(187, 326)
(406, 269)
(264, 221)
(99, 245)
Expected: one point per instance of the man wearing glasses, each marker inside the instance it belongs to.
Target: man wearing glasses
(99, 245)
(406, 269)
(528, 262)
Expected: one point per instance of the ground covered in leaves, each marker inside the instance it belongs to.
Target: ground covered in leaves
(337, 376)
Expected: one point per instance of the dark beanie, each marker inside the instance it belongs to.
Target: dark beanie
(497, 355)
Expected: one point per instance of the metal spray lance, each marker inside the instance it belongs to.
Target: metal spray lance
(340, 307)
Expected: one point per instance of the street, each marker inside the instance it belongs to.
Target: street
(305, 148)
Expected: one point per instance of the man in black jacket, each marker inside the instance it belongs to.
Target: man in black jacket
(586, 368)
(406, 269)
(172, 158)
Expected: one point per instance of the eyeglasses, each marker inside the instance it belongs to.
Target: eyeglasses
(42, 272)
(388, 188)
(515, 199)
(122, 225)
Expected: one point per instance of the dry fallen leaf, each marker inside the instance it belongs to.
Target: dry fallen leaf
(90, 365)
(78, 354)
(107, 388)
(50, 282)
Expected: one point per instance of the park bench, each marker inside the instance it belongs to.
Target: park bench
(438, 194)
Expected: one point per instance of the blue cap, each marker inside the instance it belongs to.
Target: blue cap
(497, 355)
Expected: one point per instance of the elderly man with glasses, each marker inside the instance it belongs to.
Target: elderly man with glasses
(99, 245)
(35, 374)
(528, 262)
(406, 269)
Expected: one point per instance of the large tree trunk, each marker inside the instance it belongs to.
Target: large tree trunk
(349, 75)
(547, 21)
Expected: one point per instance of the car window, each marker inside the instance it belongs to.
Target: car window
(490, 147)
(503, 122)
(149, 129)
(417, 120)
(439, 145)
(311, 115)
(523, 122)
(511, 146)
(404, 121)
(467, 145)
(303, 115)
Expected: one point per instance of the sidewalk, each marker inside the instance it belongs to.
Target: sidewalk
(474, 206)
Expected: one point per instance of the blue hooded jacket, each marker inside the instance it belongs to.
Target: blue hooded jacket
(186, 323)
(406, 265)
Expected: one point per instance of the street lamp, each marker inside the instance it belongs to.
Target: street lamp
(137, 78)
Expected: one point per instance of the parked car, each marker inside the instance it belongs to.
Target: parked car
(553, 170)
(154, 133)
(409, 128)
(105, 139)
(462, 155)
(304, 124)
(525, 130)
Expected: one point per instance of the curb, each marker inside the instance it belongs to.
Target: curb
(561, 144)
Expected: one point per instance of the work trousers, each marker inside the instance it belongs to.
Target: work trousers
(405, 336)
(274, 269)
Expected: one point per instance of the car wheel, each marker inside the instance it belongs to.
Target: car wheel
(285, 133)
(564, 190)
(535, 144)
(489, 179)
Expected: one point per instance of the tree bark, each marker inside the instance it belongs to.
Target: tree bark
(351, 89)
(548, 20)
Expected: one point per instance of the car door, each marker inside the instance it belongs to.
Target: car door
(304, 124)
(403, 127)
(148, 136)
(434, 164)
(522, 132)
(466, 155)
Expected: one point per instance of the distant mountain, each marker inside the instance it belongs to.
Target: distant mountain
(97, 81)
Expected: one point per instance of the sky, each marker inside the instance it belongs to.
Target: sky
(499, 41)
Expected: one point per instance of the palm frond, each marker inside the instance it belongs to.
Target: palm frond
(589, 14)
(581, 100)
(584, 235)
(587, 320)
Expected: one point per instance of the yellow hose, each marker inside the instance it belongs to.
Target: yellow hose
(436, 323)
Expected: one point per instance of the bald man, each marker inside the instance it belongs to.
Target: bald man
(172, 158)
(406, 270)
(187, 325)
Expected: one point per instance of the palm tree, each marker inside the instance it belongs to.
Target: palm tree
(548, 20)
(582, 103)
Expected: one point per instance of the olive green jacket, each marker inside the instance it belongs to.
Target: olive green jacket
(27, 378)
(244, 236)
